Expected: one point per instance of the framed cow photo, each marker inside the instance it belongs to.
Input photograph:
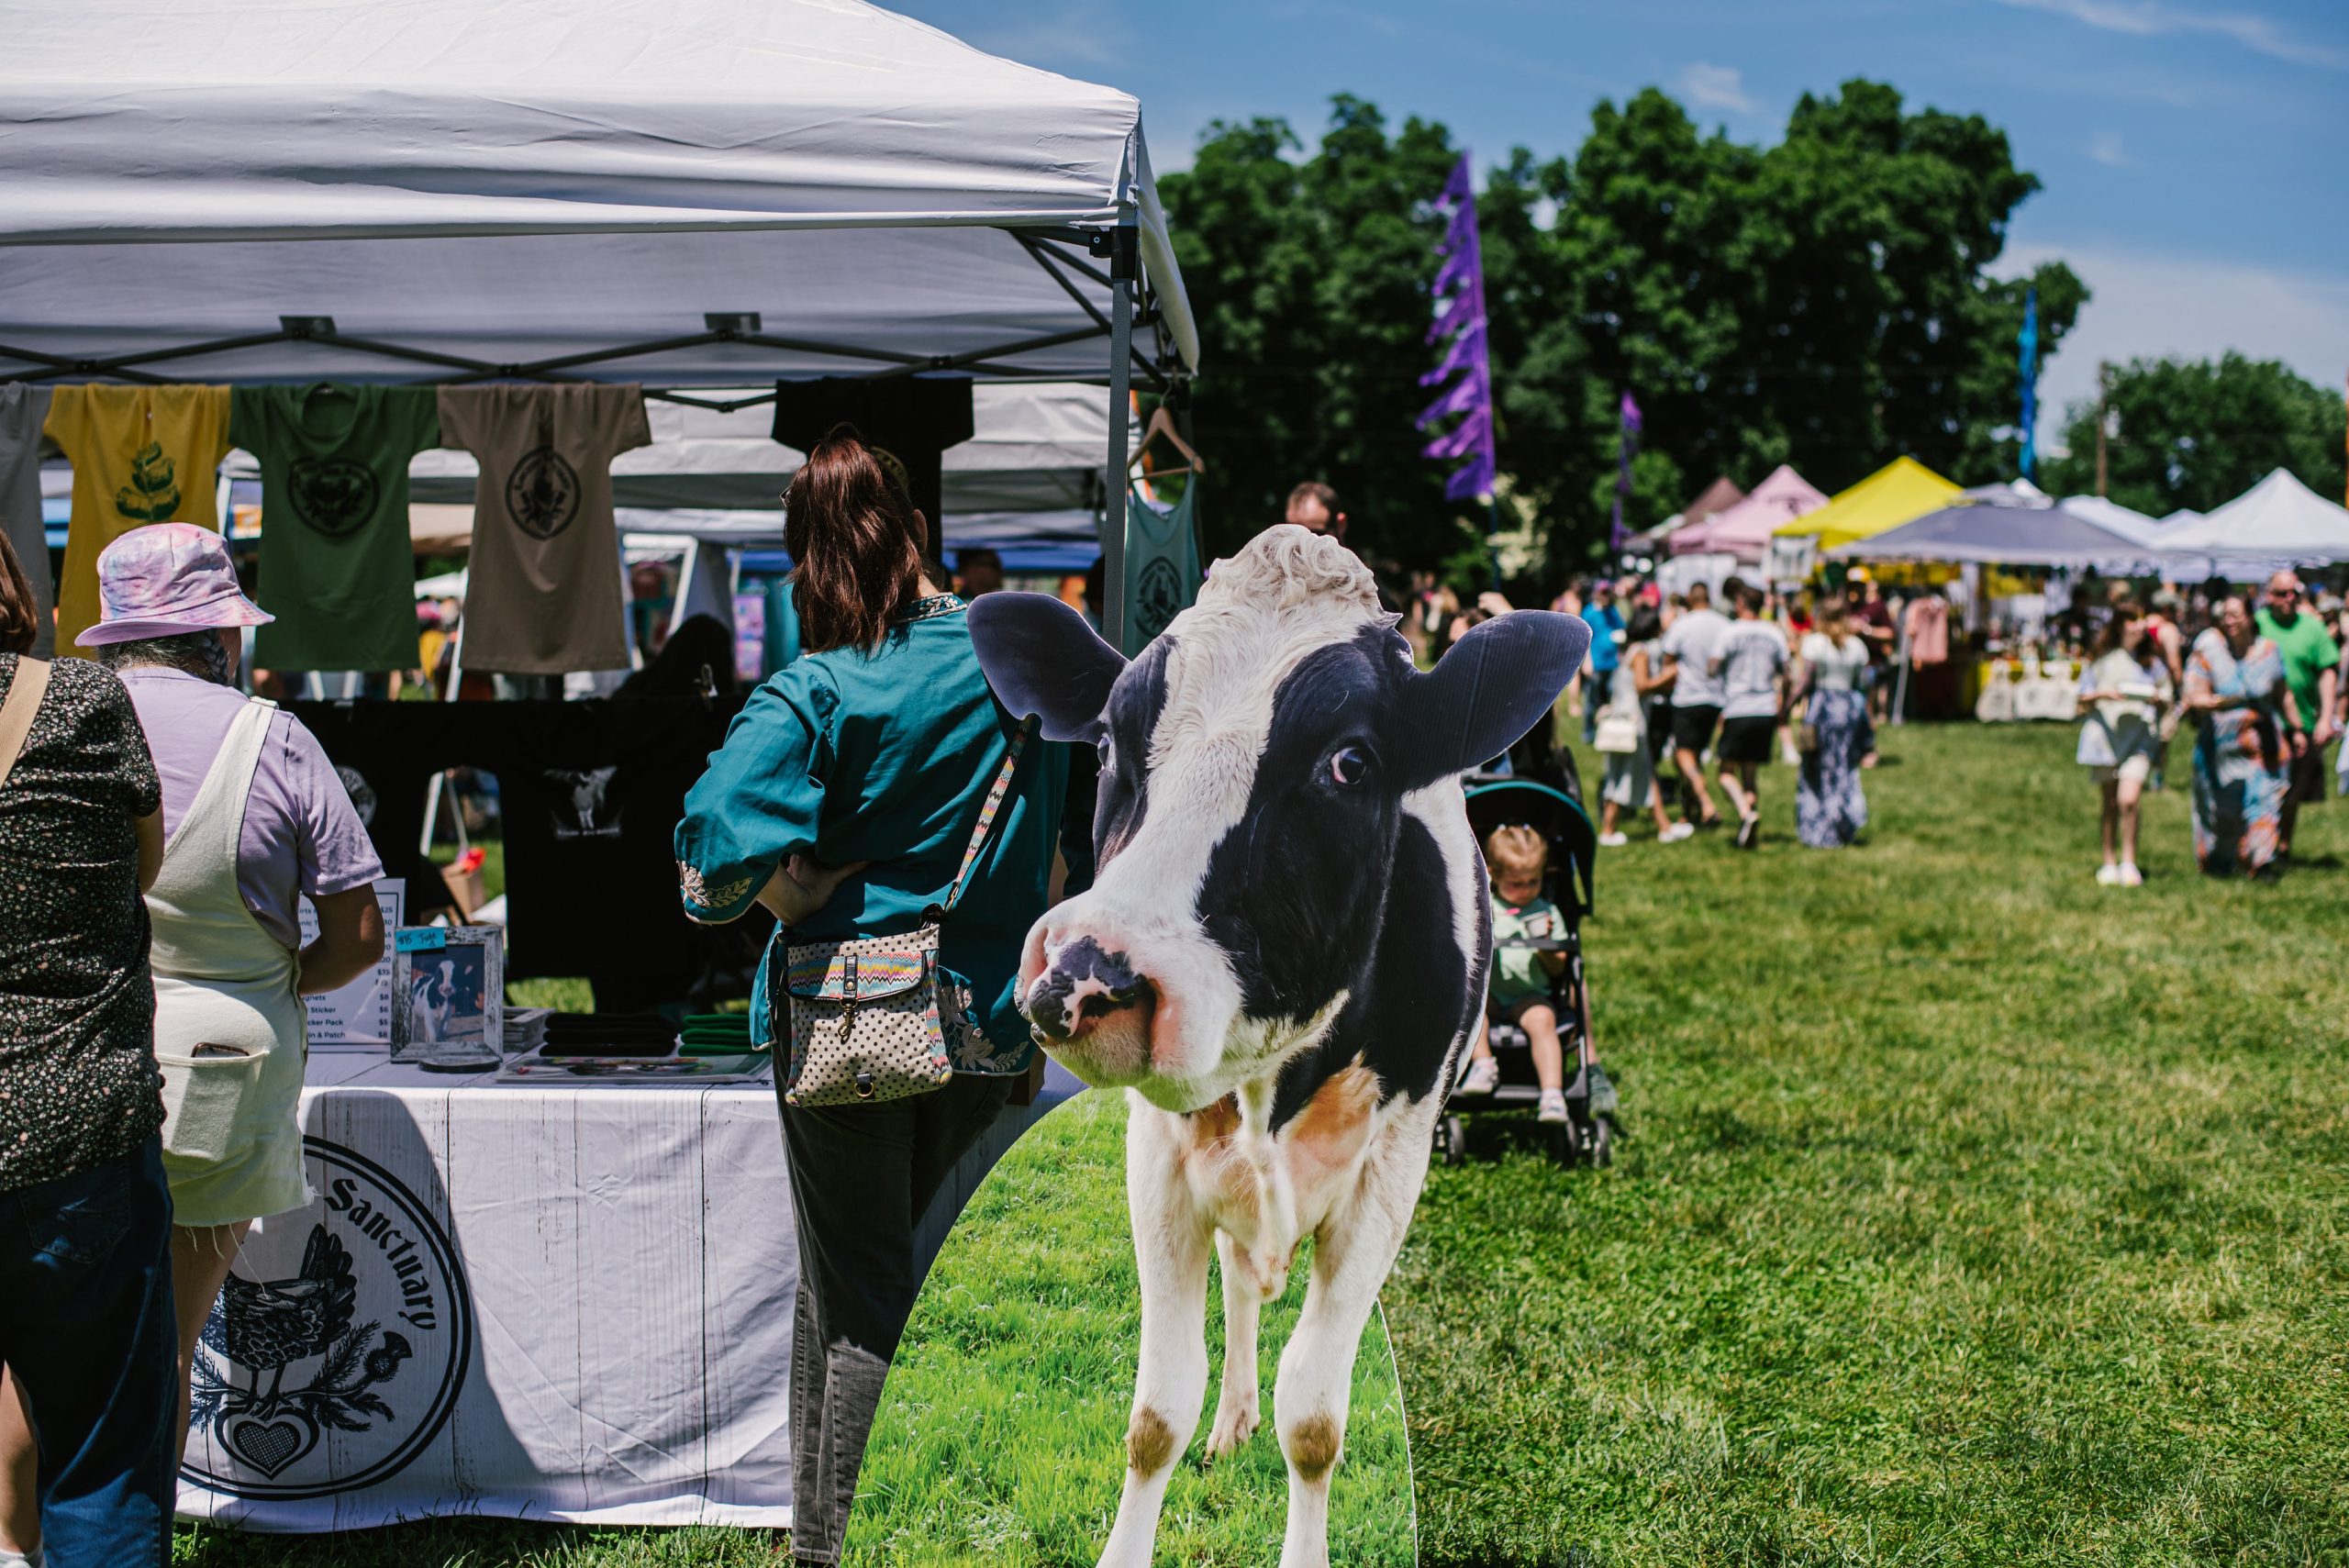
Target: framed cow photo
(448, 995)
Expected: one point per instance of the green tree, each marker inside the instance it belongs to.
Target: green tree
(1824, 301)
(2198, 434)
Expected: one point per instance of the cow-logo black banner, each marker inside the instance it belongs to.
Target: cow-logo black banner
(337, 1349)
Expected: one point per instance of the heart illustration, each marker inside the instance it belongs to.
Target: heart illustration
(269, 1446)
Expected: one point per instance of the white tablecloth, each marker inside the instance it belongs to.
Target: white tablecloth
(565, 1303)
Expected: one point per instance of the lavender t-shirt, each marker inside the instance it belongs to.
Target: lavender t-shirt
(301, 836)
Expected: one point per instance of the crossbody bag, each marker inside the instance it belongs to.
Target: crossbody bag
(864, 1014)
(18, 709)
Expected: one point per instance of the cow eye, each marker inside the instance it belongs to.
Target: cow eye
(1348, 767)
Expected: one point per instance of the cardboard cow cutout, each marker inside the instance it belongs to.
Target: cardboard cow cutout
(1282, 958)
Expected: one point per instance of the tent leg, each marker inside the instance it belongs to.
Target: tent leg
(1113, 537)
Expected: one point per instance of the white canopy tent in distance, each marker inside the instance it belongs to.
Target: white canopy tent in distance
(689, 195)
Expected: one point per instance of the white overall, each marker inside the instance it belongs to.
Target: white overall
(230, 1032)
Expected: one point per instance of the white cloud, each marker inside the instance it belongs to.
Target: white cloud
(2185, 308)
(1714, 86)
(2106, 149)
(2152, 18)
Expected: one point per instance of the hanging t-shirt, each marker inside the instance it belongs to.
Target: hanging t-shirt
(141, 455)
(545, 595)
(23, 408)
(914, 419)
(336, 566)
(1162, 566)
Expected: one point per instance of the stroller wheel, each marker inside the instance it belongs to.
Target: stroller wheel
(1600, 1147)
(1452, 1141)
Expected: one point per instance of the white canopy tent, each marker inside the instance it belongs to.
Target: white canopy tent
(684, 194)
(2277, 520)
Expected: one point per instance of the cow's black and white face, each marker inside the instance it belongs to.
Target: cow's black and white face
(1256, 761)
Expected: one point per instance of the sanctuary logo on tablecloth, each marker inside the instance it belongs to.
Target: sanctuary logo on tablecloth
(338, 1347)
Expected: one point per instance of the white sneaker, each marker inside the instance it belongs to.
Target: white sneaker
(1676, 832)
(9, 1559)
(1553, 1106)
(2131, 877)
(1613, 841)
(1483, 1077)
(2108, 876)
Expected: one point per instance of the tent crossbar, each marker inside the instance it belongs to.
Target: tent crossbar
(1052, 266)
(48, 367)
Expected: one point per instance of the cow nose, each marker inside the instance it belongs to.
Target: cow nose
(1081, 987)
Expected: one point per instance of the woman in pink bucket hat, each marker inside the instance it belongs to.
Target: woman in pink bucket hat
(255, 819)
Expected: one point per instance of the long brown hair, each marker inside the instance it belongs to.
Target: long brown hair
(2125, 614)
(855, 551)
(19, 612)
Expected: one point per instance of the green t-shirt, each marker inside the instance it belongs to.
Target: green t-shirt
(1518, 975)
(2308, 651)
(336, 567)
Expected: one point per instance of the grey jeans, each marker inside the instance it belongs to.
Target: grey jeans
(861, 1178)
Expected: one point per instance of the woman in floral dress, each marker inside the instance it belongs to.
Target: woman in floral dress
(2250, 731)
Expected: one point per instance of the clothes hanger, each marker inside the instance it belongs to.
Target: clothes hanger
(1162, 424)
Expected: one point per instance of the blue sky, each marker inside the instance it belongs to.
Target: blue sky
(2195, 153)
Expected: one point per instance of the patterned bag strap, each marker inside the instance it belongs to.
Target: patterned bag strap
(17, 710)
(986, 819)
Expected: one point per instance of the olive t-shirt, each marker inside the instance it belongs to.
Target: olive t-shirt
(336, 567)
(544, 594)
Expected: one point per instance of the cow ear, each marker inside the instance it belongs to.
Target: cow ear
(1489, 688)
(1042, 659)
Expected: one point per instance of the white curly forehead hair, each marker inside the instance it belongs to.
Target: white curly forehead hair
(1289, 566)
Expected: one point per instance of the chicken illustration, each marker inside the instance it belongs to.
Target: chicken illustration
(263, 1327)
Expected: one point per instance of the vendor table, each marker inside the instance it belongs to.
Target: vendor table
(570, 1303)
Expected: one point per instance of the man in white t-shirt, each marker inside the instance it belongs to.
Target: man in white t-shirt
(1690, 644)
(1751, 663)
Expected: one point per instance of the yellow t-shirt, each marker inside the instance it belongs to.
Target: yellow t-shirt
(141, 455)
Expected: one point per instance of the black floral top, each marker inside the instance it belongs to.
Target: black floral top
(78, 1083)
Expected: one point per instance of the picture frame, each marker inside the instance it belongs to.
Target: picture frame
(448, 995)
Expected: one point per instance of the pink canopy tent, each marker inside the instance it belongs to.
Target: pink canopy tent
(1743, 530)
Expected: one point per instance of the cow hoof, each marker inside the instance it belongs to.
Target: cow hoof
(1234, 1425)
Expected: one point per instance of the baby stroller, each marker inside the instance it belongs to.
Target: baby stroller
(1588, 1133)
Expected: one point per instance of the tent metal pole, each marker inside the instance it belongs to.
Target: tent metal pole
(1125, 263)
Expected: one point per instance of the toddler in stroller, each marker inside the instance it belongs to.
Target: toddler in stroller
(1523, 975)
(1535, 1049)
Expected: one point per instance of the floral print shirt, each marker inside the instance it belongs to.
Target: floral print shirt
(78, 1081)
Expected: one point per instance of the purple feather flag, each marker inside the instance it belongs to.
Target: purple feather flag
(1628, 444)
(1467, 350)
(1459, 290)
(1472, 479)
(1465, 394)
(1467, 307)
(1469, 435)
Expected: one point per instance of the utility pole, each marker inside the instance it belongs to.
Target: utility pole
(2103, 387)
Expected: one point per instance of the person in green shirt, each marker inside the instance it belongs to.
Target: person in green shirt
(842, 802)
(2311, 673)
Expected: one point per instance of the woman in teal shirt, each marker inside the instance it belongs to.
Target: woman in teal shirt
(842, 801)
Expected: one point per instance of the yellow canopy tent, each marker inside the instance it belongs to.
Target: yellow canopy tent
(1900, 492)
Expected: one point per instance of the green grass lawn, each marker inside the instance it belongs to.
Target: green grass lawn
(1001, 1434)
(1970, 1212)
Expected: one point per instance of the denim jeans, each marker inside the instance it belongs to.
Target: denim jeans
(1597, 689)
(861, 1178)
(87, 1327)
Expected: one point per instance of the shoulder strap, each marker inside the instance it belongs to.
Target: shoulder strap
(18, 709)
(986, 817)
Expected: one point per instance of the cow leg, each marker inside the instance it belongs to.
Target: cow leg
(1171, 1256)
(1236, 1416)
(1352, 1254)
